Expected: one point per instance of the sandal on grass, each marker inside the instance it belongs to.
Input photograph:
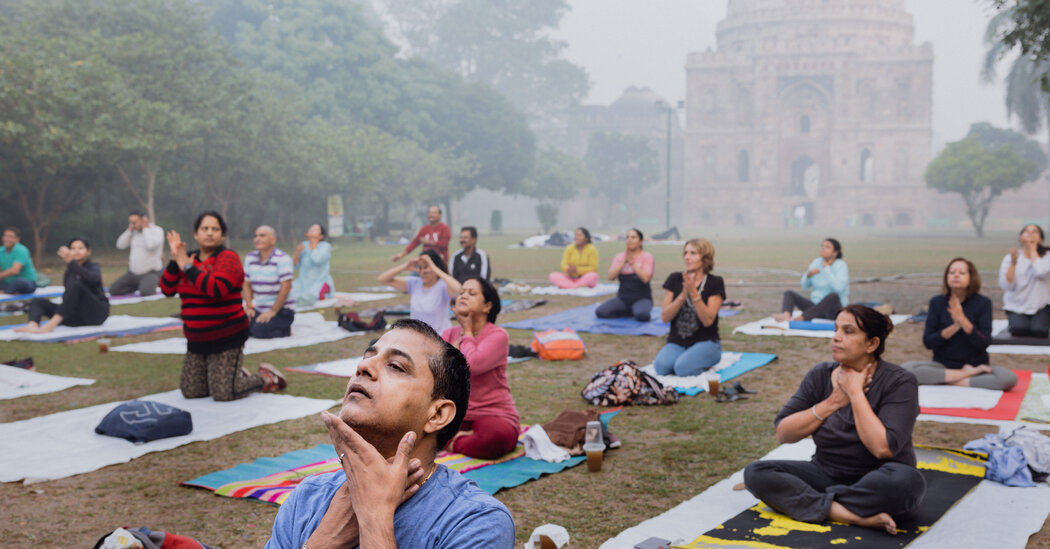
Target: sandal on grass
(730, 394)
(740, 389)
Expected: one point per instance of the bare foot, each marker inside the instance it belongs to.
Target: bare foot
(781, 317)
(881, 521)
(30, 328)
(972, 370)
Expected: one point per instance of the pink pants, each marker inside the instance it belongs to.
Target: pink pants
(562, 280)
(491, 438)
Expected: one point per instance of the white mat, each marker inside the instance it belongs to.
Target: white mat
(599, 290)
(307, 329)
(1001, 328)
(346, 367)
(113, 325)
(992, 515)
(359, 297)
(65, 444)
(699, 380)
(949, 396)
(982, 421)
(768, 326)
(19, 382)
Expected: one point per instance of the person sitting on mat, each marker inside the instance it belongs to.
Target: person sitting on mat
(313, 257)
(958, 331)
(430, 292)
(828, 282)
(405, 402)
(84, 301)
(579, 263)
(209, 281)
(17, 275)
(268, 274)
(691, 305)
(491, 426)
(1023, 277)
(634, 268)
(860, 411)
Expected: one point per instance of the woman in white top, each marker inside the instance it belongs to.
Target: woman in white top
(431, 292)
(1026, 292)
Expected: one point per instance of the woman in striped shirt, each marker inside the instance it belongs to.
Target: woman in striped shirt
(209, 281)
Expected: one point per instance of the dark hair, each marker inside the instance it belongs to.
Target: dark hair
(210, 213)
(324, 233)
(436, 258)
(1040, 249)
(16, 230)
(975, 277)
(872, 323)
(451, 375)
(835, 244)
(640, 235)
(586, 233)
(138, 212)
(470, 229)
(76, 238)
(490, 294)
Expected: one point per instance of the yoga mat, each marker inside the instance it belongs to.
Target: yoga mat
(114, 326)
(65, 444)
(731, 366)
(950, 475)
(47, 291)
(599, 290)
(1005, 517)
(359, 297)
(582, 319)
(1036, 403)
(951, 396)
(768, 326)
(307, 329)
(1006, 409)
(1005, 344)
(19, 382)
(347, 367)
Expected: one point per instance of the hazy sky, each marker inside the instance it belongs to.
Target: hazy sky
(644, 43)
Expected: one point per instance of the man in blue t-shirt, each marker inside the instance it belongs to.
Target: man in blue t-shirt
(17, 275)
(403, 405)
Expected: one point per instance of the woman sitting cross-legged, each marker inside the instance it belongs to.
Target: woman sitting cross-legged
(634, 268)
(84, 301)
(313, 257)
(828, 282)
(958, 331)
(490, 428)
(579, 263)
(860, 411)
(430, 292)
(691, 305)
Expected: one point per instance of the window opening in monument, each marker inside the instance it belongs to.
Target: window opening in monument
(743, 167)
(902, 219)
(867, 166)
(804, 170)
(803, 124)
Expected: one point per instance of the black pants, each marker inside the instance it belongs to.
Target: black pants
(804, 491)
(616, 307)
(827, 308)
(80, 307)
(278, 326)
(1035, 325)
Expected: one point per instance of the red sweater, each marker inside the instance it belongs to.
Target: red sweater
(213, 316)
(487, 357)
(432, 238)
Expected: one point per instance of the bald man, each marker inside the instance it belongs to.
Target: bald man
(268, 274)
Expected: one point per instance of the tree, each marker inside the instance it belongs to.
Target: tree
(622, 165)
(1027, 26)
(1025, 97)
(559, 177)
(505, 44)
(977, 174)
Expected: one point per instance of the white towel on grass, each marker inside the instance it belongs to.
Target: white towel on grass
(599, 290)
(699, 380)
(113, 325)
(950, 396)
(308, 329)
(768, 326)
(359, 297)
(65, 444)
(19, 382)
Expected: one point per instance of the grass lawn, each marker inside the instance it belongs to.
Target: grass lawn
(669, 453)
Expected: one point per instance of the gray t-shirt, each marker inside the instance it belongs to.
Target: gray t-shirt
(449, 511)
(893, 395)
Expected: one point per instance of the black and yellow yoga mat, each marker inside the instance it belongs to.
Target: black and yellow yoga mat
(950, 475)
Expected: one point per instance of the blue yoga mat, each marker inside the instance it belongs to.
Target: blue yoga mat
(824, 326)
(747, 362)
(582, 319)
(24, 297)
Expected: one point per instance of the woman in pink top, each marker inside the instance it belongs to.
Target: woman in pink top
(634, 269)
(491, 426)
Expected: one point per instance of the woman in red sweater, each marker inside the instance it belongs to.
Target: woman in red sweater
(209, 280)
(491, 426)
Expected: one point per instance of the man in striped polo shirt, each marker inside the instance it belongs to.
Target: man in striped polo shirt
(267, 294)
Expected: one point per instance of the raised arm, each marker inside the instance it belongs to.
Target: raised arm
(619, 260)
(643, 266)
(452, 284)
(389, 276)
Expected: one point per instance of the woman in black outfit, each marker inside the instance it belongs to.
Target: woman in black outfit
(84, 302)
